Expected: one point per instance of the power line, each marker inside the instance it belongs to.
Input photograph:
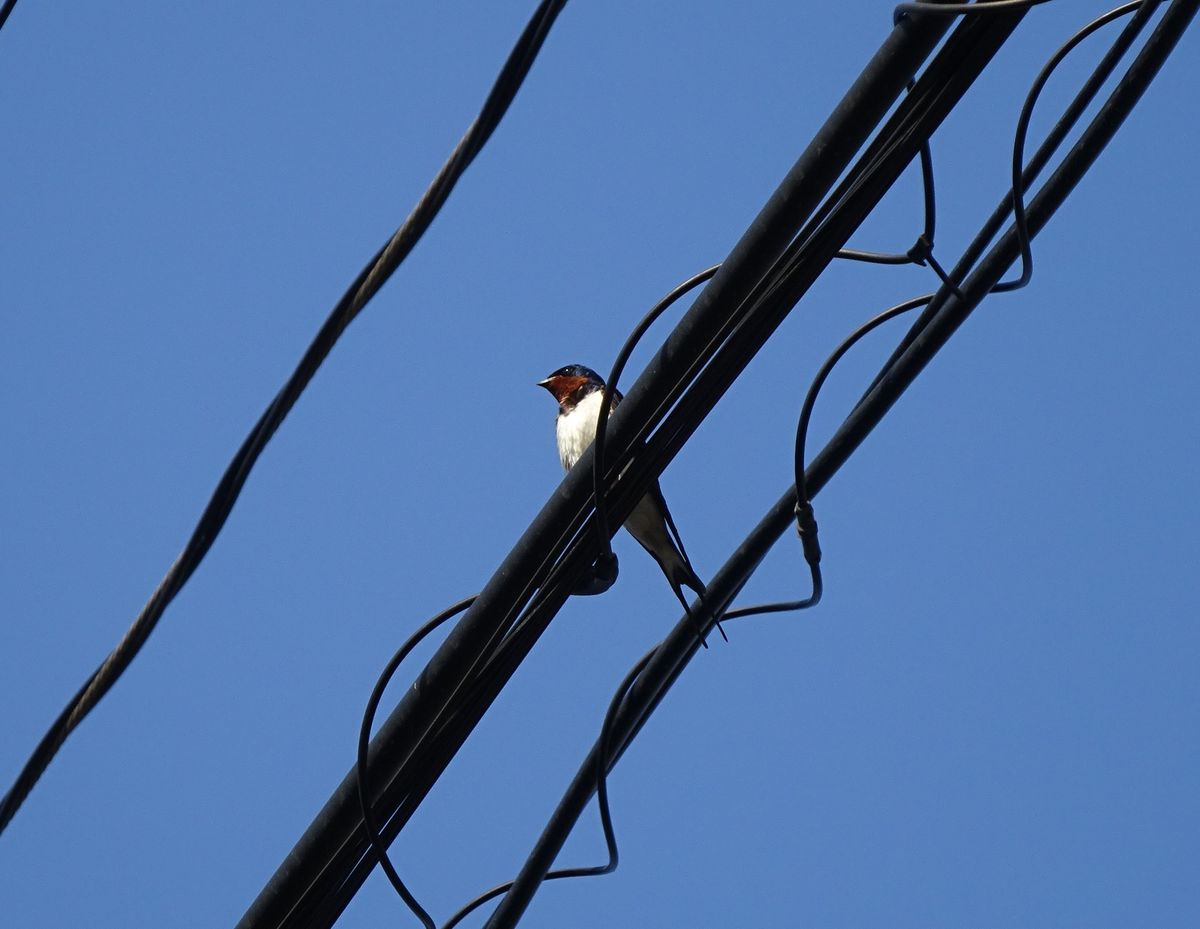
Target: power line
(333, 857)
(670, 658)
(365, 286)
(1040, 158)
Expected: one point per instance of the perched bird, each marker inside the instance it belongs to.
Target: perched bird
(578, 391)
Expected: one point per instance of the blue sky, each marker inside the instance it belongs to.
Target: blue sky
(991, 720)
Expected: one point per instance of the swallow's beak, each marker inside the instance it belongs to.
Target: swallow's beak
(545, 382)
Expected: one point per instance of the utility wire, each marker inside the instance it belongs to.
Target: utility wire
(365, 286)
(1142, 13)
(362, 766)
(432, 741)
(672, 656)
(951, 75)
(364, 791)
(606, 824)
(420, 736)
(452, 693)
(958, 9)
(678, 648)
(604, 572)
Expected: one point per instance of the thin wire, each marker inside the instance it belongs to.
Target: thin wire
(958, 9)
(610, 394)
(923, 247)
(604, 753)
(365, 286)
(920, 253)
(370, 824)
(808, 532)
(823, 374)
(1040, 158)
(1018, 156)
(603, 760)
(610, 386)
(806, 523)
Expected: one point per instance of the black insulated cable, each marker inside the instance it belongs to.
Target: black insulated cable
(365, 286)
(678, 648)
(6, 10)
(1142, 13)
(362, 766)
(332, 858)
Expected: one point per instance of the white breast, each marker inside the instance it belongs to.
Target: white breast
(576, 430)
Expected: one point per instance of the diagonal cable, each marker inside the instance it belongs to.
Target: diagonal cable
(365, 286)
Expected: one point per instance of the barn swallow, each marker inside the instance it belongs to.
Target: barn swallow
(578, 391)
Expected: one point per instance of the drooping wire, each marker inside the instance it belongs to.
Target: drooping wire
(823, 373)
(610, 386)
(1022, 132)
(806, 523)
(607, 398)
(921, 253)
(959, 9)
(801, 436)
(1026, 175)
(365, 286)
(370, 825)
(604, 753)
(922, 250)
(604, 742)
(603, 760)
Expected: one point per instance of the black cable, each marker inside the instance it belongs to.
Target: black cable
(421, 735)
(923, 247)
(812, 556)
(678, 649)
(526, 623)
(823, 373)
(1143, 10)
(374, 832)
(606, 400)
(364, 736)
(368, 815)
(1022, 131)
(5, 10)
(806, 522)
(920, 253)
(603, 762)
(928, 101)
(610, 385)
(958, 9)
(365, 286)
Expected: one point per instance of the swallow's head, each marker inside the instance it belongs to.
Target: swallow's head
(571, 384)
